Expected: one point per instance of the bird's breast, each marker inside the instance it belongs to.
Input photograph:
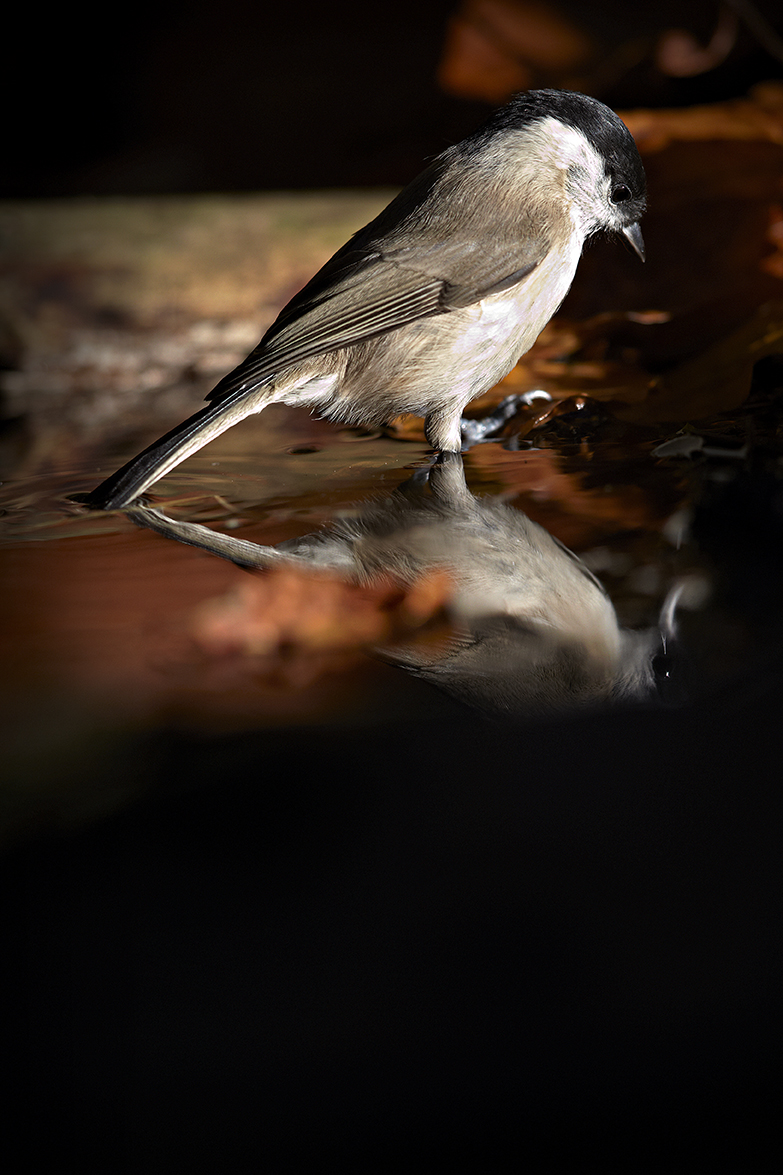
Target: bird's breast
(503, 326)
(442, 362)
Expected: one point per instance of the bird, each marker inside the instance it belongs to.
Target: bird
(435, 300)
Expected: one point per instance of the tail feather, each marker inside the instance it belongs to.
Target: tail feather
(168, 451)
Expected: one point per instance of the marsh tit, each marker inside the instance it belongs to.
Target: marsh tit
(434, 301)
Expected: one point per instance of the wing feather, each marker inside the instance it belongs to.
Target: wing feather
(408, 264)
(336, 322)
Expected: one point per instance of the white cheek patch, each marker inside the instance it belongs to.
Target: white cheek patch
(585, 183)
(571, 148)
(552, 141)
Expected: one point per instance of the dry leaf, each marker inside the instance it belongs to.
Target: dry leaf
(494, 48)
(759, 116)
(715, 381)
(680, 55)
(293, 609)
(558, 497)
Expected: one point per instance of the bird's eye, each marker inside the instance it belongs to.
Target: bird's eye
(620, 193)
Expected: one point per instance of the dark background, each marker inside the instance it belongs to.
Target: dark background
(400, 949)
(243, 95)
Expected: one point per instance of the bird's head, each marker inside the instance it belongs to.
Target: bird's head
(568, 143)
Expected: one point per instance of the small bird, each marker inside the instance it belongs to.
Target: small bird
(434, 301)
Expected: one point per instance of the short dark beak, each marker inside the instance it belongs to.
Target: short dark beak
(633, 235)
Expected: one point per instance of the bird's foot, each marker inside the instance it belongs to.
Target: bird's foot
(476, 431)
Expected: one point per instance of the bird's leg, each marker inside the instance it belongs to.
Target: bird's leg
(417, 483)
(443, 475)
(442, 428)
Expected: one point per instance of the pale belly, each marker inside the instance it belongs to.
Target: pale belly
(439, 364)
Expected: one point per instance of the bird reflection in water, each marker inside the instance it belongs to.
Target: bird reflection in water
(533, 630)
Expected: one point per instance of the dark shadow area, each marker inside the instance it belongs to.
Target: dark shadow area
(242, 96)
(558, 939)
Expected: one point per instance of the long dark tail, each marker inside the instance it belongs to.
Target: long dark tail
(168, 451)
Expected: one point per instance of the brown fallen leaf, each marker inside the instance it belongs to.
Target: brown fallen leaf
(680, 55)
(758, 116)
(716, 381)
(495, 47)
(297, 611)
(773, 264)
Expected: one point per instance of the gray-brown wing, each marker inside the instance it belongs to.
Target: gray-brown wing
(385, 298)
(379, 302)
(374, 285)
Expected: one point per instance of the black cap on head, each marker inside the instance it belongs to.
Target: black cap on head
(600, 126)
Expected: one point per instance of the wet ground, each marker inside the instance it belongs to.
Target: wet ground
(99, 614)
